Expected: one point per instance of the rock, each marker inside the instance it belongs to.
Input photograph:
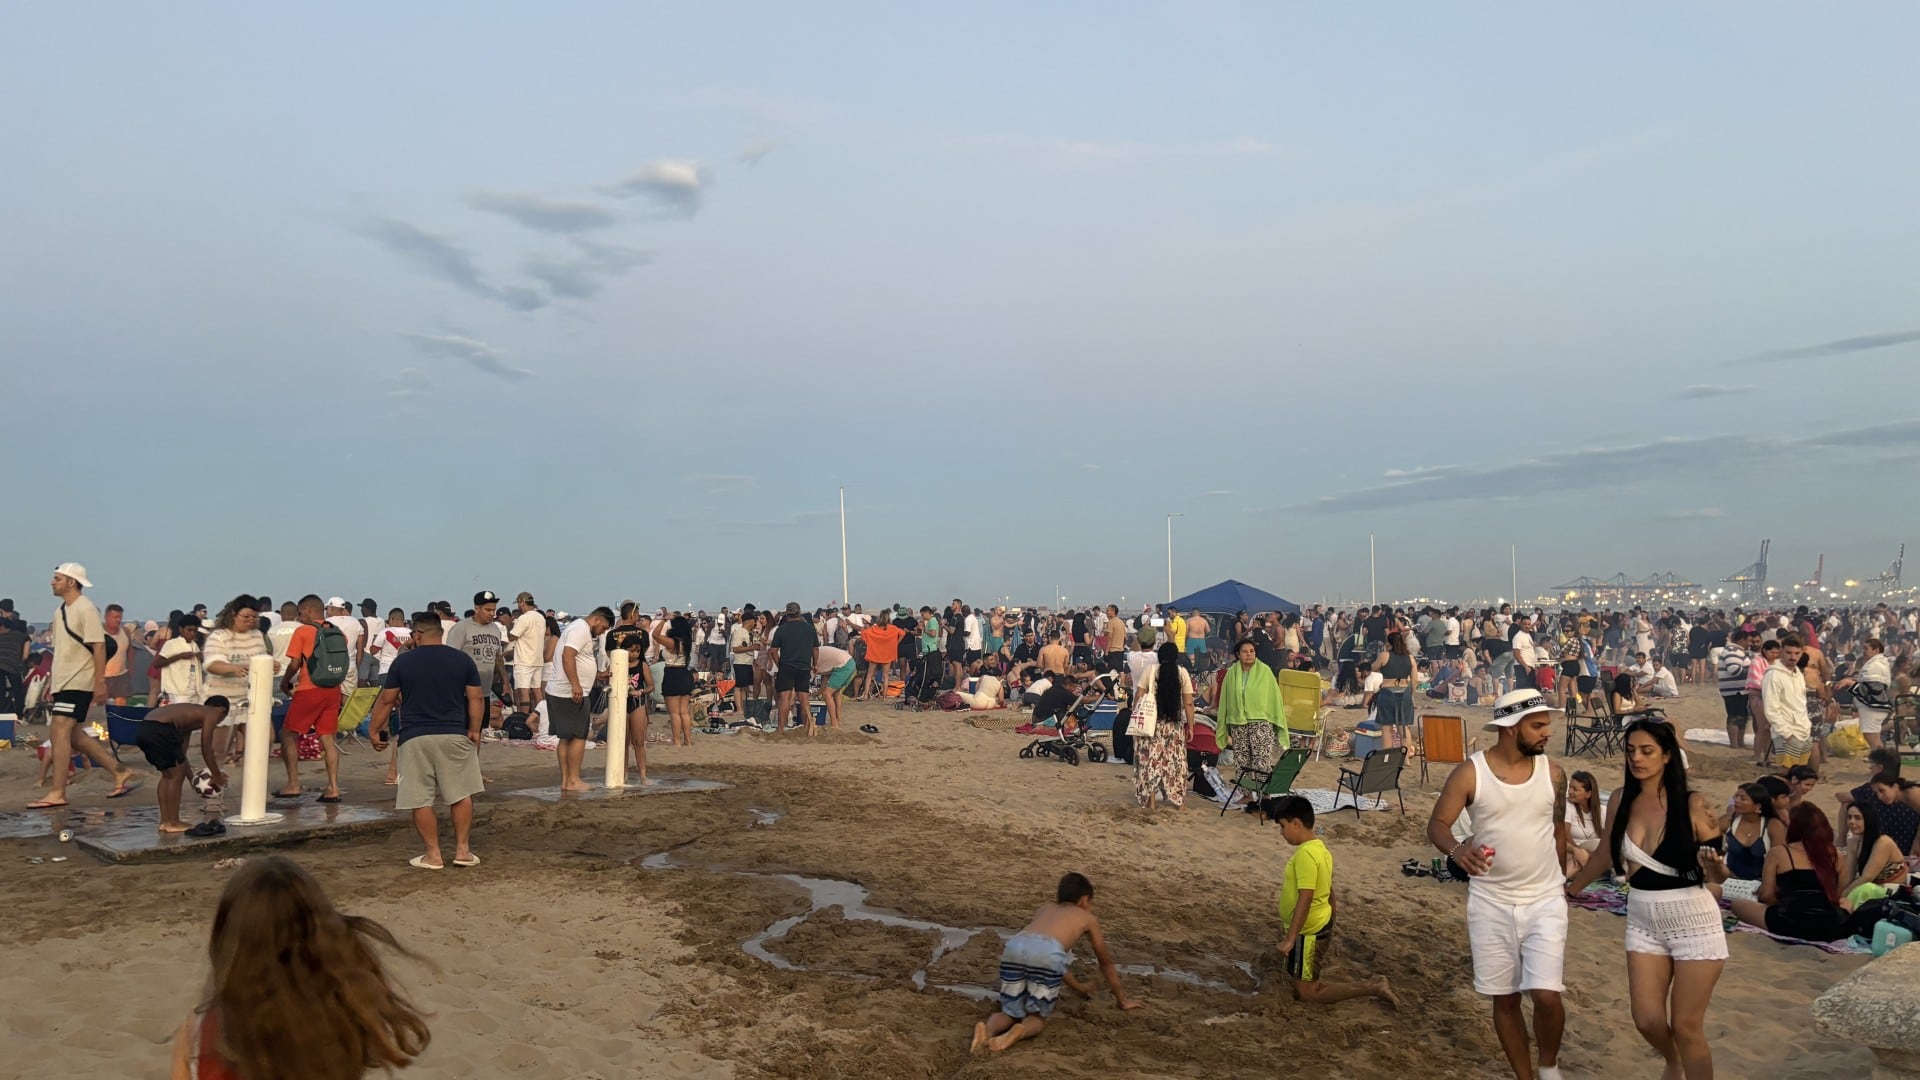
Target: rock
(1877, 1007)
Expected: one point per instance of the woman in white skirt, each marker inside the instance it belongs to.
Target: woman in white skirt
(1676, 947)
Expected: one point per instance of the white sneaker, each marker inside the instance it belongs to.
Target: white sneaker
(1547, 1072)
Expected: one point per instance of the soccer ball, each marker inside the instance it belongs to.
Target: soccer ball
(203, 783)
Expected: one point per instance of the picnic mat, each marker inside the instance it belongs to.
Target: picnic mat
(1713, 736)
(1612, 897)
(1326, 802)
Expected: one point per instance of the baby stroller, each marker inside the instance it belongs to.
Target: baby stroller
(1072, 734)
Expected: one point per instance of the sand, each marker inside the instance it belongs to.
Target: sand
(563, 956)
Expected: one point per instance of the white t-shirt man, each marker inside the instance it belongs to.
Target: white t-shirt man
(1453, 630)
(280, 637)
(351, 629)
(387, 644)
(1663, 685)
(974, 641)
(181, 681)
(578, 636)
(529, 648)
(1374, 681)
(1138, 661)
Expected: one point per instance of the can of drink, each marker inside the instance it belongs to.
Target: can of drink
(65, 835)
(1439, 865)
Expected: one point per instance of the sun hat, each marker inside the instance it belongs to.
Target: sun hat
(1516, 704)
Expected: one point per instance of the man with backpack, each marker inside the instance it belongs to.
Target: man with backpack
(318, 659)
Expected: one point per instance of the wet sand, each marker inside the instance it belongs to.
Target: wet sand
(568, 954)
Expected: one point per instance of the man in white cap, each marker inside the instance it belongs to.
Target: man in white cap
(340, 614)
(79, 680)
(1514, 855)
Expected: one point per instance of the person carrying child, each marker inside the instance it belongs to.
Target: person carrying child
(1306, 906)
(1034, 965)
(163, 737)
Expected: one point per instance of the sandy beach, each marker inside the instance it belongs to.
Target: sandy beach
(569, 953)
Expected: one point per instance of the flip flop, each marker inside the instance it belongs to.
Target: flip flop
(288, 795)
(421, 862)
(123, 790)
(43, 804)
(1412, 868)
(869, 729)
(208, 828)
(329, 798)
(470, 860)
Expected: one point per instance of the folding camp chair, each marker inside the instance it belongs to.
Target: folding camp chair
(357, 711)
(1376, 776)
(123, 726)
(1443, 741)
(1277, 782)
(1300, 695)
(1592, 728)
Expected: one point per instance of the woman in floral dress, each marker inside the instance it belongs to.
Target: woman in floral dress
(1163, 709)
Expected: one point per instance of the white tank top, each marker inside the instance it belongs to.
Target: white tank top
(1516, 821)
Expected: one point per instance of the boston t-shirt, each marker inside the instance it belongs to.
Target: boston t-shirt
(433, 681)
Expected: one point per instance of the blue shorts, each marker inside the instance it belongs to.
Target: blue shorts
(1196, 645)
(1032, 968)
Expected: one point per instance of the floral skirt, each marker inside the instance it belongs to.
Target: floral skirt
(1160, 765)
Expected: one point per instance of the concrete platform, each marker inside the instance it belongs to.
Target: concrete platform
(134, 835)
(662, 785)
(34, 824)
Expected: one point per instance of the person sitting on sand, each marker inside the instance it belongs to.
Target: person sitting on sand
(988, 693)
(163, 739)
(297, 988)
(1799, 884)
(1583, 820)
(1306, 905)
(1034, 965)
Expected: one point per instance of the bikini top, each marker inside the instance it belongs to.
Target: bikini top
(1651, 874)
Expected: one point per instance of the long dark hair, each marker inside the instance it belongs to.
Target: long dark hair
(1676, 847)
(1762, 798)
(1870, 832)
(680, 632)
(1166, 687)
(1807, 825)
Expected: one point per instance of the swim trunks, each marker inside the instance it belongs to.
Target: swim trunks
(1032, 968)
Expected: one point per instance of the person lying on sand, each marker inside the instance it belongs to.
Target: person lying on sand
(1306, 902)
(1034, 965)
(163, 738)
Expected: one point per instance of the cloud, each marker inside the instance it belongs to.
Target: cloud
(1613, 467)
(441, 257)
(1863, 343)
(756, 150)
(478, 353)
(675, 188)
(1702, 392)
(1216, 493)
(1089, 466)
(544, 215)
(582, 275)
(719, 483)
(407, 383)
(1094, 152)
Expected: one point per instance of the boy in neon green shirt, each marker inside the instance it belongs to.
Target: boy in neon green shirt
(1306, 906)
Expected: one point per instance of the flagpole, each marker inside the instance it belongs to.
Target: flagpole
(1373, 583)
(1513, 558)
(844, 595)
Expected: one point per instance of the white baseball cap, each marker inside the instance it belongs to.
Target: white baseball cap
(335, 601)
(1515, 704)
(75, 571)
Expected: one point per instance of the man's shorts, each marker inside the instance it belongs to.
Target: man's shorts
(567, 718)
(743, 676)
(443, 768)
(792, 678)
(1517, 947)
(1303, 963)
(317, 709)
(527, 677)
(1196, 645)
(1032, 967)
(1736, 705)
(72, 704)
(957, 649)
(839, 677)
(1870, 719)
(1790, 752)
(164, 745)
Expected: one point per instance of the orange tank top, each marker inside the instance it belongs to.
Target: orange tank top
(207, 1062)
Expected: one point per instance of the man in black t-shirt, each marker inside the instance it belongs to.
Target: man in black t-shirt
(1058, 700)
(794, 644)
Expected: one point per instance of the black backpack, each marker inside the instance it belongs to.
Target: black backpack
(515, 727)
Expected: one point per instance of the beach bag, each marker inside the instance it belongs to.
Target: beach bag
(309, 747)
(1846, 740)
(1142, 722)
(515, 727)
(331, 661)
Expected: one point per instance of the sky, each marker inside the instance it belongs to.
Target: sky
(607, 300)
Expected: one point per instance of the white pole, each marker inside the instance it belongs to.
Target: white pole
(1372, 582)
(254, 764)
(844, 596)
(1513, 557)
(617, 720)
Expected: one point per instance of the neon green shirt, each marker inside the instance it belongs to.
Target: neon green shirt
(1310, 868)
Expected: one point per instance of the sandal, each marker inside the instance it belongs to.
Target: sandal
(1412, 868)
(208, 828)
(869, 729)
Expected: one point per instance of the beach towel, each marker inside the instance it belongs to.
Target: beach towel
(1611, 897)
(1326, 802)
(1708, 736)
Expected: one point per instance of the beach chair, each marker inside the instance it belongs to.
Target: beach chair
(123, 726)
(1443, 741)
(1300, 696)
(356, 712)
(35, 701)
(1263, 784)
(1592, 728)
(1376, 776)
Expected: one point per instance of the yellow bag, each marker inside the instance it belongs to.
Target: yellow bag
(1846, 740)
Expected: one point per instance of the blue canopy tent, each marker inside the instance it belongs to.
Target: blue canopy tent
(1232, 596)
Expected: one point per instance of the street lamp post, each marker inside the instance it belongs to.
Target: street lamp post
(1170, 518)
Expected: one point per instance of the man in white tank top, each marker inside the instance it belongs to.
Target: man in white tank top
(1516, 909)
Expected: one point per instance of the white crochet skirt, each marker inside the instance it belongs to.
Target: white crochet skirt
(1682, 923)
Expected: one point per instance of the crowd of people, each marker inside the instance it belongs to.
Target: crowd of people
(1520, 829)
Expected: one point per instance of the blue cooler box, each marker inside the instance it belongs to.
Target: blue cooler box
(1366, 739)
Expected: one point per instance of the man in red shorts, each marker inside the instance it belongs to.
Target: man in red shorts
(312, 708)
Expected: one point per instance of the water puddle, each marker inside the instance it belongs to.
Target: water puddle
(851, 898)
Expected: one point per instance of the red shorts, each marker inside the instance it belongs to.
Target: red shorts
(317, 709)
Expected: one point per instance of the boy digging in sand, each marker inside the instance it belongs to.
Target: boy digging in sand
(1034, 964)
(1306, 903)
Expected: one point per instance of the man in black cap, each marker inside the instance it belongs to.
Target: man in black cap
(482, 638)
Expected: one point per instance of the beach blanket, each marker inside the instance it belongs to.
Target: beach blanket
(1326, 802)
(1708, 736)
(1612, 897)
